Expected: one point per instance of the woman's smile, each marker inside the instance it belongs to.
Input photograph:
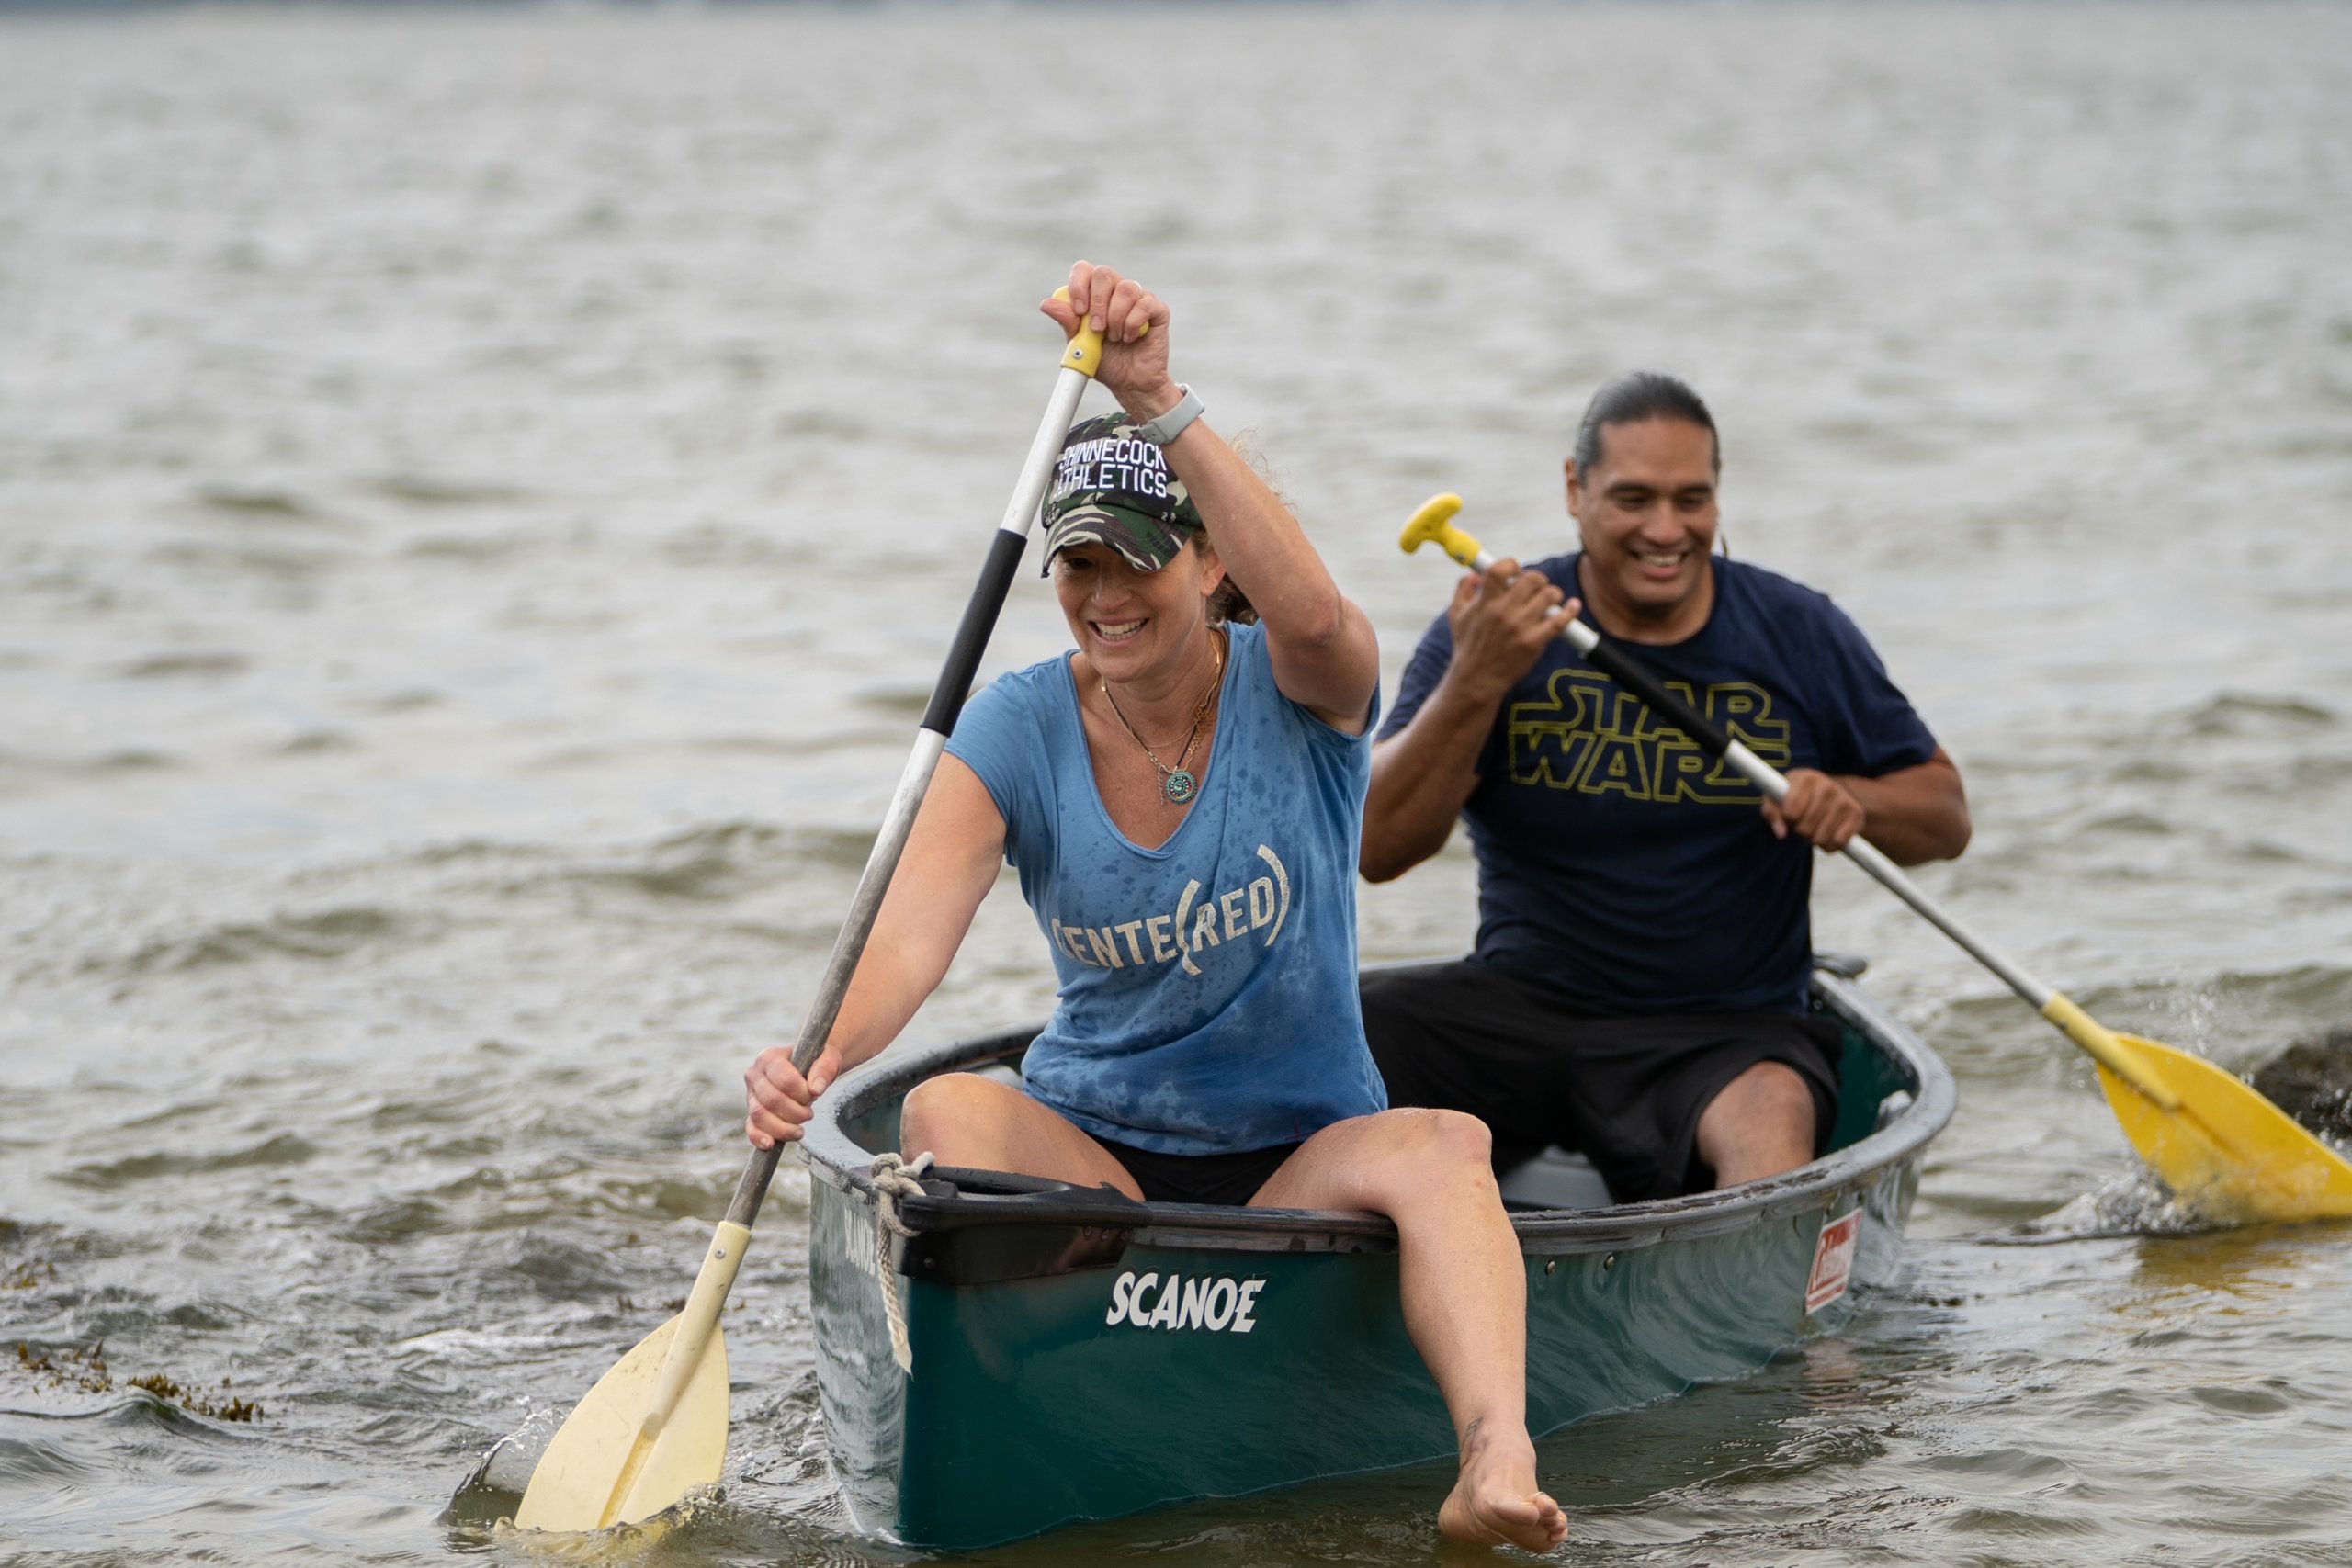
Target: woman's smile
(1135, 625)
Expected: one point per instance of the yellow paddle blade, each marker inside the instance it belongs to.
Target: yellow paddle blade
(2227, 1152)
(572, 1487)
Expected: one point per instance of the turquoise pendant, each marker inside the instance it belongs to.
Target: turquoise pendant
(1180, 786)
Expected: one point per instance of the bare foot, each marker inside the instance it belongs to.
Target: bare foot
(1494, 1502)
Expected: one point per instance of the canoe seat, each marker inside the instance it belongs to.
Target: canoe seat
(1557, 1179)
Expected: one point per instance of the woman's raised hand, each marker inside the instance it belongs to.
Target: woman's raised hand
(1134, 361)
(780, 1096)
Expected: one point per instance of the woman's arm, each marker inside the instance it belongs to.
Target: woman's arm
(1324, 655)
(948, 867)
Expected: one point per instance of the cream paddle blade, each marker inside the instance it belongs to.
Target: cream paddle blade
(578, 1477)
(2221, 1146)
(655, 1426)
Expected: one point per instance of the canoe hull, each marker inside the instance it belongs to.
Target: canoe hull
(1178, 1353)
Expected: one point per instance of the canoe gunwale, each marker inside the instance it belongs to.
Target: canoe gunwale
(836, 1159)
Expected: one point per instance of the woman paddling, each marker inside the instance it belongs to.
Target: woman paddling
(1182, 795)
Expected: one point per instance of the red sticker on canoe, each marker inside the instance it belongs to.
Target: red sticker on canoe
(1833, 1261)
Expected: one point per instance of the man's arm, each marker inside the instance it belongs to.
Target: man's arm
(1422, 775)
(1420, 778)
(1916, 813)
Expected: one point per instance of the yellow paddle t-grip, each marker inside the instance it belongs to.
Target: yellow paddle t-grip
(1433, 525)
(1084, 354)
(2107, 1050)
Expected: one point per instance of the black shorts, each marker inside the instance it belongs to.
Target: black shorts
(1539, 1068)
(1199, 1179)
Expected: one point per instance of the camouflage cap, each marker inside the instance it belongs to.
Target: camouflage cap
(1112, 487)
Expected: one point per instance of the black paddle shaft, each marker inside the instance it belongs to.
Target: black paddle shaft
(1620, 667)
(972, 636)
(1711, 738)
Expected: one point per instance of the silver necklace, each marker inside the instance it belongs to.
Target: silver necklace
(1178, 783)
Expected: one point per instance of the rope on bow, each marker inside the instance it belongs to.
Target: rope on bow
(894, 1179)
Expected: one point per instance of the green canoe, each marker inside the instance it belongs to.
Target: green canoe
(1073, 1355)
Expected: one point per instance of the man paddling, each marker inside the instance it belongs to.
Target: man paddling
(1638, 988)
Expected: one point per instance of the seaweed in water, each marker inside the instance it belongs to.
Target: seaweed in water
(29, 1275)
(86, 1370)
(2311, 1081)
(228, 1408)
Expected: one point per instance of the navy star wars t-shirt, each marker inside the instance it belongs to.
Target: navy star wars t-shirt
(1616, 862)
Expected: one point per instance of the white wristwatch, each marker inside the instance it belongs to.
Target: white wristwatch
(1173, 423)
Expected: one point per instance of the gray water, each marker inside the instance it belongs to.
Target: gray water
(482, 496)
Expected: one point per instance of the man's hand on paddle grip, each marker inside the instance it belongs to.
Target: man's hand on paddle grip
(1502, 621)
(779, 1097)
(1818, 809)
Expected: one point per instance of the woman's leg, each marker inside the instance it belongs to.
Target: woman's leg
(1465, 1296)
(963, 1119)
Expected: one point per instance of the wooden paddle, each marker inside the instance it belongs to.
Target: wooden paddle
(2219, 1145)
(655, 1425)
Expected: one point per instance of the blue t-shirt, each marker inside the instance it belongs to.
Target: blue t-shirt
(1615, 861)
(1208, 986)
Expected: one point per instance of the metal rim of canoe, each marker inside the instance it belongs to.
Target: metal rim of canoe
(838, 1158)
